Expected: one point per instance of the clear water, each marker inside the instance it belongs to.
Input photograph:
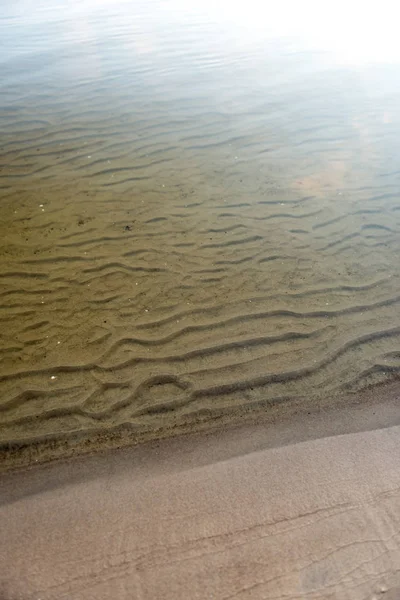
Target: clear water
(200, 212)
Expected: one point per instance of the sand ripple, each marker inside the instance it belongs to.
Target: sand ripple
(177, 248)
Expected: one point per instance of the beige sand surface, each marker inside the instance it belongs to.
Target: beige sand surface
(210, 517)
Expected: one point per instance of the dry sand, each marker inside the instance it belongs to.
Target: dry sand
(217, 516)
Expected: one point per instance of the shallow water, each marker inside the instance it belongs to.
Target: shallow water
(199, 217)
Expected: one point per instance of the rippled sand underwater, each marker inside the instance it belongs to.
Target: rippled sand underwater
(190, 229)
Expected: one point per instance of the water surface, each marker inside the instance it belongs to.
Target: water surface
(200, 217)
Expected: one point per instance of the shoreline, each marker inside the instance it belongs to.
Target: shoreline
(301, 508)
(280, 423)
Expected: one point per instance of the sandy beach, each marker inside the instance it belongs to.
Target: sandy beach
(199, 302)
(231, 514)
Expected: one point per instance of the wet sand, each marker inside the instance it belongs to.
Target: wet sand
(165, 315)
(232, 514)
